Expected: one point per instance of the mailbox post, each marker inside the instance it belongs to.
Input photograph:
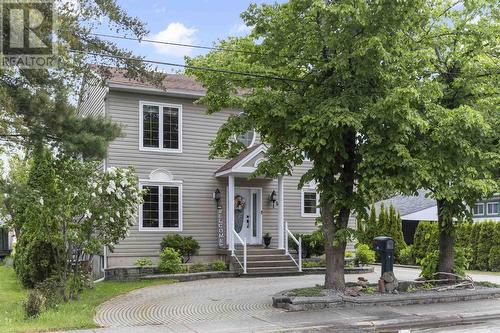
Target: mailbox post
(385, 247)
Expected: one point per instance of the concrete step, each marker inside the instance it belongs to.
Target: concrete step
(272, 270)
(274, 263)
(265, 257)
(251, 251)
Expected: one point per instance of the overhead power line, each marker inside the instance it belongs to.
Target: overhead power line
(202, 47)
(208, 69)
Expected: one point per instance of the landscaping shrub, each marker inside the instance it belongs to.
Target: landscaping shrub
(35, 303)
(170, 261)
(143, 262)
(430, 263)
(406, 256)
(348, 254)
(426, 240)
(364, 255)
(219, 266)
(312, 244)
(35, 260)
(53, 289)
(477, 240)
(494, 260)
(484, 245)
(187, 246)
(196, 268)
(388, 224)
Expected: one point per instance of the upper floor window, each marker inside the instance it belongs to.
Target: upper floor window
(161, 127)
(162, 207)
(248, 138)
(310, 201)
(478, 209)
(492, 208)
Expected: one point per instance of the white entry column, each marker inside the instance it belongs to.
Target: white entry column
(281, 213)
(230, 213)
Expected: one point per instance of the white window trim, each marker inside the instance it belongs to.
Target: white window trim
(487, 210)
(160, 228)
(304, 214)
(306, 159)
(473, 209)
(235, 137)
(160, 129)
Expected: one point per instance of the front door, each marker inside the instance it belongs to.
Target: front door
(247, 214)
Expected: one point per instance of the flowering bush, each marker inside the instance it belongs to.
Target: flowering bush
(72, 207)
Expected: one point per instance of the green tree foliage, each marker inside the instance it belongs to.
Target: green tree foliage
(342, 92)
(455, 154)
(69, 210)
(36, 105)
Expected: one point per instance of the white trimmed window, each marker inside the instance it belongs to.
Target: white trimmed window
(492, 208)
(160, 127)
(478, 209)
(247, 138)
(310, 202)
(162, 207)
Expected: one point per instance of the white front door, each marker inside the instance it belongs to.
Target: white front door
(247, 214)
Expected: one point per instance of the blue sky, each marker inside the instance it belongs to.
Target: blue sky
(199, 22)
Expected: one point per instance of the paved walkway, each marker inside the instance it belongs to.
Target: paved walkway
(212, 305)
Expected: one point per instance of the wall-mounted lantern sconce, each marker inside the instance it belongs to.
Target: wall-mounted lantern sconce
(273, 198)
(216, 195)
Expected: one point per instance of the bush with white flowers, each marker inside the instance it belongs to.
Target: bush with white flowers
(72, 209)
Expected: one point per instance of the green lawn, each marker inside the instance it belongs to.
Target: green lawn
(71, 315)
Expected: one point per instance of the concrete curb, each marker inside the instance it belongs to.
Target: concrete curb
(427, 321)
(347, 270)
(298, 303)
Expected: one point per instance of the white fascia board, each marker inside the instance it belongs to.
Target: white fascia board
(428, 214)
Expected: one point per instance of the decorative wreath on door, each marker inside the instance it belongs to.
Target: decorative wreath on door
(239, 207)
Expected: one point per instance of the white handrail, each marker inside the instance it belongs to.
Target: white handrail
(244, 243)
(299, 244)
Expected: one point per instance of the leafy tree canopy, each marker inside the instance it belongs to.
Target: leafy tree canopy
(36, 105)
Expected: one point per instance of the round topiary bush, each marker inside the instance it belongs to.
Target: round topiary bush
(170, 261)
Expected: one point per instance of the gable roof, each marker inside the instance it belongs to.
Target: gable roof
(241, 156)
(408, 204)
(172, 83)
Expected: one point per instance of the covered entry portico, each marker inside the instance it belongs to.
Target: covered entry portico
(244, 213)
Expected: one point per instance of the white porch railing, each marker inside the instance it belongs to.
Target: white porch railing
(244, 243)
(288, 233)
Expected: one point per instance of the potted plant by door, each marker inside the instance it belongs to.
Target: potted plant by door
(267, 240)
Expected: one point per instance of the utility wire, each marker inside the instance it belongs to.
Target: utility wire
(203, 47)
(209, 69)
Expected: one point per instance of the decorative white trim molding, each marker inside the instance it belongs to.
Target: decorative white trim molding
(258, 161)
(161, 175)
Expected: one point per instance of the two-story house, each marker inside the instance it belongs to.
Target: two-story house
(166, 139)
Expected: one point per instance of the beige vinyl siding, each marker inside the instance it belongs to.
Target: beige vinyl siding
(93, 100)
(194, 169)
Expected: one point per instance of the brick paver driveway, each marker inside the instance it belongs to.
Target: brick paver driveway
(208, 302)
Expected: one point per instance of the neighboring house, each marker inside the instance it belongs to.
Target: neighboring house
(414, 209)
(166, 139)
(7, 240)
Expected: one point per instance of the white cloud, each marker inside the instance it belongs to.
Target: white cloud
(240, 29)
(175, 33)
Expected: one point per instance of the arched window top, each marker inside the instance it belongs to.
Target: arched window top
(161, 175)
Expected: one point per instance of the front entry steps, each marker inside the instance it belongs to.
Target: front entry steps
(265, 262)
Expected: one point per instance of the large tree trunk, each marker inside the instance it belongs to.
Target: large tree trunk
(334, 251)
(446, 240)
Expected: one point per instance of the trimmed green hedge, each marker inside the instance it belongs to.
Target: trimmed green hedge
(481, 240)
